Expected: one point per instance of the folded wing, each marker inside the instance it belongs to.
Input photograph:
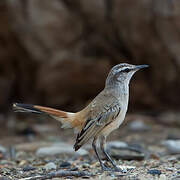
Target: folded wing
(96, 122)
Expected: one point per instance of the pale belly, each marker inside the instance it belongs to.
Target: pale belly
(115, 124)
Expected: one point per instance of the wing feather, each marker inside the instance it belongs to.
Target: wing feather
(97, 122)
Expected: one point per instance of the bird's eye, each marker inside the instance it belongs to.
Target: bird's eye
(126, 70)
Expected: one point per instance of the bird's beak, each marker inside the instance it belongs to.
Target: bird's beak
(141, 67)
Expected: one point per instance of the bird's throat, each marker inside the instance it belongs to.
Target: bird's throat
(119, 90)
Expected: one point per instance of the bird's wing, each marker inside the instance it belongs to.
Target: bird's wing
(98, 118)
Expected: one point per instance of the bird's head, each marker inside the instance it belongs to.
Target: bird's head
(122, 73)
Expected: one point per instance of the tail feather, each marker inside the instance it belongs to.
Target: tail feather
(18, 107)
(66, 118)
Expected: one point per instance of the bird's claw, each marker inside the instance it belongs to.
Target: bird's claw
(122, 170)
(115, 169)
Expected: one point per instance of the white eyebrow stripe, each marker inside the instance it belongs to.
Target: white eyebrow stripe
(122, 69)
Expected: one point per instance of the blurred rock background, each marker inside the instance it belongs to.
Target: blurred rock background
(58, 52)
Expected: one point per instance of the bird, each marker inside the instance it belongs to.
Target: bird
(100, 117)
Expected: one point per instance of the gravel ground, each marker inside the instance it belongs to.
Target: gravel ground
(44, 151)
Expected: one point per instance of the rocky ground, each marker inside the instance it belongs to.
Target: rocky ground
(144, 148)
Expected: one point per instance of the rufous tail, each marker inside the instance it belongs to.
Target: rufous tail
(66, 118)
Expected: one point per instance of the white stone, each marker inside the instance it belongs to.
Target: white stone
(138, 126)
(2, 149)
(162, 177)
(59, 148)
(50, 166)
(173, 146)
(125, 169)
(117, 144)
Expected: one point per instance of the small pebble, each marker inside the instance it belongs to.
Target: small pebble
(116, 145)
(65, 164)
(2, 149)
(169, 169)
(50, 166)
(173, 146)
(162, 177)
(172, 159)
(154, 172)
(138, 126)
(177, 165)
(85, 165)
(28, 168)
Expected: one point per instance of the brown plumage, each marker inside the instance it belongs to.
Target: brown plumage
(103, 115)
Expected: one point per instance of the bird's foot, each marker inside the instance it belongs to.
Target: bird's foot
(117, 169)
(104, 168)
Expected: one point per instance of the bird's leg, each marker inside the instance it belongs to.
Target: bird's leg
(103, 167)
(108, 157)
(102, 145)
